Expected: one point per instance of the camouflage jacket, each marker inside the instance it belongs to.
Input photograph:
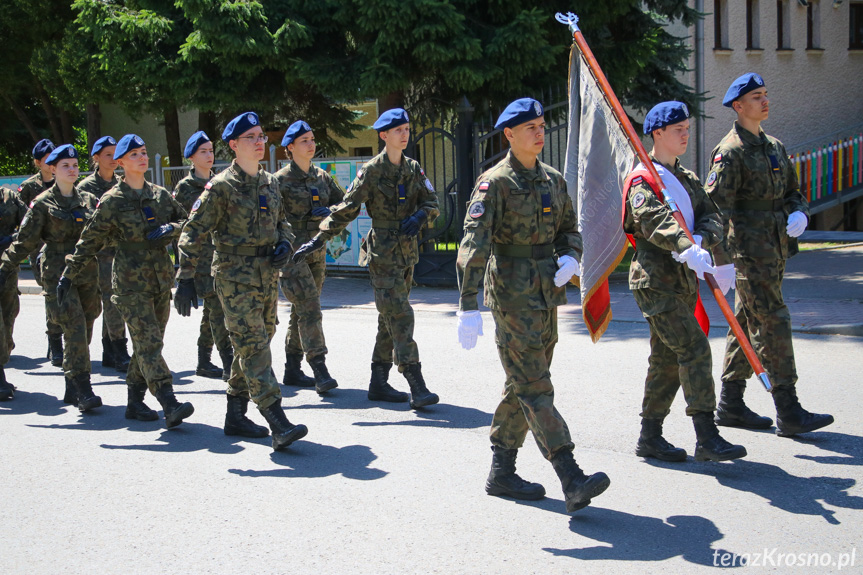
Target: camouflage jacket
(658, 234)
(748, 168)
(97, 186)
(391, 193)
(187, 192)
(241, 212)
(12, 212)
(57, 223)
(511, 209)
(32, 187)
(124, 217)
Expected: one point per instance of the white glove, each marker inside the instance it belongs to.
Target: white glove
(724, 276)
(797, 222)
(676, 256)
(698, 261)
(469, 327)
(568, 267)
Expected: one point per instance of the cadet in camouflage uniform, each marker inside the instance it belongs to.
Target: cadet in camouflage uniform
(28, 190)
(521, 239)
(103, 178)
(199, 149)
(307, 192)
(12, 212)
(55, 220)
(242, 208)
(400, 200)
(666, 289)
(139, 218)
(753, 182)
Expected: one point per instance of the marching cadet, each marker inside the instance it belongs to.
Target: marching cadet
(242, 208)
(12, 212)
(28, 190)
(139, 218)
(103, 178)
(307, 193)
(662, 277)
(199, 149)
(521, 239)
(401, 201)
(56, 219)
(754, 184)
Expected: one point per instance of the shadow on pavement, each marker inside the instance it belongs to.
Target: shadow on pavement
(308, 459)
(190, 437)
(638, 538)
(339, 398)
(26, 402)
(24, 363)
(849, 446)
(442, 415)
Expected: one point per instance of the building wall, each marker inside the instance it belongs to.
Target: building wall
(115, 122)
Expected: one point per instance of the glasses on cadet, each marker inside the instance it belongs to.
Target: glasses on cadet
(255, 139)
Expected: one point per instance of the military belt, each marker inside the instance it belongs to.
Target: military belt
(60, 246)
(759, 205)
(642, 245)
(252, 251)
(305, 224)
(535, 252)
(386, 224)
(140, 246)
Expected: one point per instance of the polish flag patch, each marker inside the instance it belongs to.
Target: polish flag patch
(484, 186)
(717, 158)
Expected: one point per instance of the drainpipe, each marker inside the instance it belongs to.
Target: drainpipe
(700, 136)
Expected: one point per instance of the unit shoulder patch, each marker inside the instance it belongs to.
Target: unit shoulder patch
(476, 210)
(638, 200)
(711, 179)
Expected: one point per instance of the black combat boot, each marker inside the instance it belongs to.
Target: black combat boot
(420, 395)
(578, 488)
(709, 445)
(236, 422)
(175, 412)
(108, 352)
(380, 389)
(294, 374)
(121, 355)
(135, 406)
(791, 418)
(323, 380)
(7, 390)
(71, 395)
(227, 356)
(206, 368)
(503, 480)
(732, 412)
(55, 350)
(652, 444)
(284, 432)
(87, 400)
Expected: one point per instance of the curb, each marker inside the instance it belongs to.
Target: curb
(852, 329)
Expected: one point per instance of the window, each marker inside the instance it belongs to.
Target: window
(753, 35)
(720, 25)
(813, 25)
(362, 151)
(783, 25)
(856, 38)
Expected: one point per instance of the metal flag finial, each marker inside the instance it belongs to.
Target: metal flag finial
(570, 19)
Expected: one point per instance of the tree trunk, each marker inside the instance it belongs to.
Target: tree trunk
(21, 115)
(207, 123)
(94, 124)
(172, 136)
(50, 112)
(388, 102)
(66, 126)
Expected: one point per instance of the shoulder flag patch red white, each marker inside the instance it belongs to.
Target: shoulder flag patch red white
(717, 158)
(20, 188)
(637, 181)
(31, 203)
(484, 186)
(208, 186)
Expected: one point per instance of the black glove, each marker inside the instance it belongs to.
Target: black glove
(412, 225)
(5, 242)
(281, 254)
(307, 248)
(321, 211)
(162, 230)
(186, 297)
(63, 287)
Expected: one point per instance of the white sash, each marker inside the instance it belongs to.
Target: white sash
(677, 192)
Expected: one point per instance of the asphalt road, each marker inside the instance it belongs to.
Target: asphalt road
(377, 488)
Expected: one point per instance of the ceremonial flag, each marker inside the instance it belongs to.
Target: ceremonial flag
(598, 159)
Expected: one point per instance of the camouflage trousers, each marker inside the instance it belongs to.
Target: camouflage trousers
(146, 315)
(9, 307)
(250, 316)
(113, 326)
(52, 327)
(525, 342)
(213, 330)
(302, 283)
(679, 355)
(761, 311)
(76, 315)
(395, 339)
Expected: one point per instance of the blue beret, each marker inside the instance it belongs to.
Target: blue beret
(195, 141)
(242, 123)
(66, 151)
(665, 114)
(742, 85)
(294, 131)
(41, 148)
(391, 119)
(101, 143)
(518, 112)
(126, 144)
